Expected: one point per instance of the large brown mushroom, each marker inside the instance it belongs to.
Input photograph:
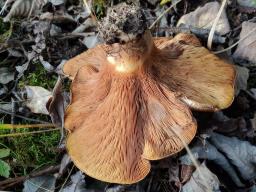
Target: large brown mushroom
(130, 102)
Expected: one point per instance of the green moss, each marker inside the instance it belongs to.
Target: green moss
(38, 76)
(99, 7)
(3, 26)
(6, 30)
(32, 151)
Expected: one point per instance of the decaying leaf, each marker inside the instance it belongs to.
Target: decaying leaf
(242, 76)
(209, 152)
(246, 48)
(24, 8)
(231, 126)
(77, 183)
(37, 97)
(55, 104)
(203, 17)
(65, 161)
(6, 75)
(240, 153)
(58, 17)
(118, 188)
(186, 172)
(4, 169)
(253, 121)
(247, 3)
(130, 99)
(202, 181)
(40, 183)
(57, 2)
(91, 41)
(88, 23)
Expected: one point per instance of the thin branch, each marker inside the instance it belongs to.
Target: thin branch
(27, 133)
(166, 11)
(15, 126)
(209, 42)
(230, 47)
(13, 181)
(20, 116)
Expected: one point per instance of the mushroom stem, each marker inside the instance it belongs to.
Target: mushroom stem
(131, 56)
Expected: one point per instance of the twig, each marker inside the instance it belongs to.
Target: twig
(62, 186)
(4, 7)
(216, 20)
(166, 11)
(200, 32)
(27, 133)
(13, 181)
(230, 47)
(15, 126)
(193, 159)
(20, 116)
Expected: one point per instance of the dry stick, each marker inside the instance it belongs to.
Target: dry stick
(87, 6)
(230, 47)
(27, 133)
(193, 159)
(31, 9)
(14, 126)
(4, 7)
(166, 11)
(13, 181)
(209, 42)
(39, 187)
(200, 32)
(63, 185)
(20, 116)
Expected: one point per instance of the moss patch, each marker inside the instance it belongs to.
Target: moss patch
(38, 76)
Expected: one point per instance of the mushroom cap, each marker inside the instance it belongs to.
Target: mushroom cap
(201, 79)
(118, 122)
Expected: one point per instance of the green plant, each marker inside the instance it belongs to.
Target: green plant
(99, 8)
(164, 2)
(4, 167)
(38, 76)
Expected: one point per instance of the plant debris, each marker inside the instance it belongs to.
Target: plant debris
(203, 17)
(246, 49)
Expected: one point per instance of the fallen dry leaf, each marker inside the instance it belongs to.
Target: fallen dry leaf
(6, 75)
(202, 181)
(77, 183)
(209, 152)
(247, 3)
(240, 153)
(203, 17)
(24, 8)
(242, 76)
(37, 97)
(55, 104)
(186, 172)
(246, 48)
(36, 184)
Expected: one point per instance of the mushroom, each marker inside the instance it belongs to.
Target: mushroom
(131, 98)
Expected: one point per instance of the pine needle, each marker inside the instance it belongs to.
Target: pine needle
(27, 133)
(216, 20)
(11, 126)
(166, 11)
(230, 47)
(193, 159)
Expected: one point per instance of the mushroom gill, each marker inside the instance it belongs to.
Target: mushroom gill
(130, 102)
